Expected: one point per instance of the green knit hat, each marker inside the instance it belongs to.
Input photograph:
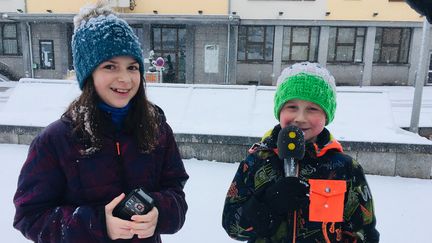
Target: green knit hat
(306, 81)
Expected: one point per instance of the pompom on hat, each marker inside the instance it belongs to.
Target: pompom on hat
(100, 35)
(306, 81)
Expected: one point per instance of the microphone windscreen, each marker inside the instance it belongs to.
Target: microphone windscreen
(291, 143)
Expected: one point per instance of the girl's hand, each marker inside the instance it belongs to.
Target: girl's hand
(117, 228)
(144, 225)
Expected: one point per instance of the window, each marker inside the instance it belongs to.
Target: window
(255, 43)
(9, 39)
(139, 32)
(169, 42)
(300, 44)
(392, 45)
(346, 44)
(46, 52)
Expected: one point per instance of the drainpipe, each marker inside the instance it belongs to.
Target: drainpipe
(227, 59)
(420, 77)
(227, 64)
(30, 49)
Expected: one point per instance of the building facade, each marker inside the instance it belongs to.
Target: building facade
(363, 42)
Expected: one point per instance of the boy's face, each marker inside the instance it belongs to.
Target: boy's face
(117, 80)
(308, 116)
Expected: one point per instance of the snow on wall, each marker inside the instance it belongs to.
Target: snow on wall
(362, 115)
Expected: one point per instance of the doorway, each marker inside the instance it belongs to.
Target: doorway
(169, 42)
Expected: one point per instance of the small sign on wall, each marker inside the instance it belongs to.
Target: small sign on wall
(211, 58)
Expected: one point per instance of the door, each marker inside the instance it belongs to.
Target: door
(169, 42)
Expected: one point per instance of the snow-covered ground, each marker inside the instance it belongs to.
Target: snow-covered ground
(363, 113)
(402, 205)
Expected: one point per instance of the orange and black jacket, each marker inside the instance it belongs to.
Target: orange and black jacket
(324, 159)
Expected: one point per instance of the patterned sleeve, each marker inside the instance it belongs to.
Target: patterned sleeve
(239, 192)
(359, 209)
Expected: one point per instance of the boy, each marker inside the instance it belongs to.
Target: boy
(262, 205)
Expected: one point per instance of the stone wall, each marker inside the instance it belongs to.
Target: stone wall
(388, 159)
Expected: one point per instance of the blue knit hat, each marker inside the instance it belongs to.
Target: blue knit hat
(99, 39)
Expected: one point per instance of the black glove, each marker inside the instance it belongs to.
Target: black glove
(258, 215)
(286, 195)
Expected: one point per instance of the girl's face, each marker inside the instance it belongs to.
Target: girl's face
(117, 80)
(308, 116)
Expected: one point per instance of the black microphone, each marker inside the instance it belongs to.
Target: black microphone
(291, 146)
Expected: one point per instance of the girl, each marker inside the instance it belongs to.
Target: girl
(110, 141)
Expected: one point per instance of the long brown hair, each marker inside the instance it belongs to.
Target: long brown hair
(87, 119)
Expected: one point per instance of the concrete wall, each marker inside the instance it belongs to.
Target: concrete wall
(11, 5)
(163, 7)
(414, 54)
(56, 33)
(18, 135)
(346, 74)
(199, 34)
(251, 9)
(386, 159)
(258, 9)
(13, 66)
(390, 74)
(376, 158)
(40, 6)
(366, 73)
(209, 35)
(182, 7)
(364, 9)
(255, 73)
(197, 37)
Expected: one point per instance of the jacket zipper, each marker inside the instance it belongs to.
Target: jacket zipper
(118, 149)
(119, 157)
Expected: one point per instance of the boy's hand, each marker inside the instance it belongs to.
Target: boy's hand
(287, 194)
(258, 215)
(144, 225)
(117, 228)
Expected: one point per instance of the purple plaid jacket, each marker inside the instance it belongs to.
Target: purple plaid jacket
(61, 194)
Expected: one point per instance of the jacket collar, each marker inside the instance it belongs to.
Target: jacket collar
(326, 142)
